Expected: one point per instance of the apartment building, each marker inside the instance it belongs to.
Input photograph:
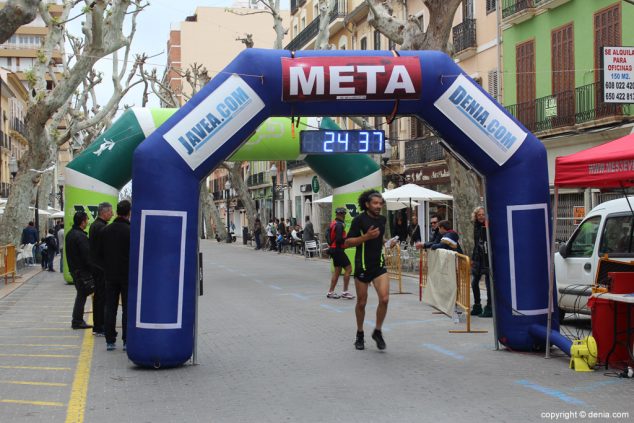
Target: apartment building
(17, 57)
(553, 79)
(13, 97)
(417, 154)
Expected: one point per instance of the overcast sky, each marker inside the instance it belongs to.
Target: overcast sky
(153, 26)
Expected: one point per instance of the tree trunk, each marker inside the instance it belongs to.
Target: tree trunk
(14, 218)
(410, 35)
(15, 14)
(238, 184)
(322, 39)
(465, 185)
(216, 225)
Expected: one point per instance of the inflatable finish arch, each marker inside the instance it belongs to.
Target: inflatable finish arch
(169, 165)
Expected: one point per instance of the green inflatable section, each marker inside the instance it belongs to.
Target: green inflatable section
(100, 171)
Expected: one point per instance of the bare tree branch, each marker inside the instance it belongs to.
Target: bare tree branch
(15, 14)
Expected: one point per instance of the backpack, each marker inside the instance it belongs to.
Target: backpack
(50, 243)
(330, 234)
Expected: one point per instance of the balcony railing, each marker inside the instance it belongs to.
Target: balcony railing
(17, 125)
(255, 179)
(423, 151)
(566, 109)
(464, 35)
(295, 164)
(311, 30)
(511, 7)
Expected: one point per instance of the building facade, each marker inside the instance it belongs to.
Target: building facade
(13, 98)
(553, 79)
(211, 37)
(17, 57)
(417, 153)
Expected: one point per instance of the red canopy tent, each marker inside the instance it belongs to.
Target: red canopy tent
(610, 165)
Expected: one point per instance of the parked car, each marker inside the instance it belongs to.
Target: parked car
(607, 229)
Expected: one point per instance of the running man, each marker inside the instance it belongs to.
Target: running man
(366, 233)
(337, 237)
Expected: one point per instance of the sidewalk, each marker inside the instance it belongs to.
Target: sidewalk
(23, 276)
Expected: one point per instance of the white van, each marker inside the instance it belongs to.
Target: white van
(607, 229)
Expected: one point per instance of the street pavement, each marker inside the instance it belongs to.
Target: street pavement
(273, 348)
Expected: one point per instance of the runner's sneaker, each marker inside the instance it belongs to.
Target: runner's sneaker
(110, 346)
(333, 295)
(347, 295)
(378, 337)
(358, 343)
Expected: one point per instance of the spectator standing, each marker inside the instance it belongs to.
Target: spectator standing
(414, 231)
(480, 263)
(115, 252)
(257, 232)
(48, 254)
(340, 261)
(270, 233)
(309, 231)
(79, 265)
(60, 243)
(29, 234)
(104, 214)
(434, 231)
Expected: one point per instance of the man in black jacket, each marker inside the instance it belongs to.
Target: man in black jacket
(114, 249)
(104, 214)
(79, 264)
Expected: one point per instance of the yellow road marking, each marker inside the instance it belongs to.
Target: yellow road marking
(77, 404)
(26, 382)
(35, 368)
(7, 327)
(31, 321)
(39, 355)
(41, 336)
(46, 403)
(40, 345)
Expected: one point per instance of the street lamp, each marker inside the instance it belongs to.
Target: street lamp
(273, 174)
(289, 180)
(13, 167)
(60, 182)
(228, 188)
(387, 155)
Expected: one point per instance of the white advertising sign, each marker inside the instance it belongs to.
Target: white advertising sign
(618, 77)
(210, 124)
(481, 120)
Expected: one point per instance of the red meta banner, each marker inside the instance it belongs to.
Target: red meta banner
(351, 78)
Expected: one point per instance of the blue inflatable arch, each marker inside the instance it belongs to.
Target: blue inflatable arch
(169, 166)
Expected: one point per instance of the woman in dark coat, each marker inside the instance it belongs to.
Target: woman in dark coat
(480, 263)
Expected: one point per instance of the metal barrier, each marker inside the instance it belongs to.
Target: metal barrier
(463, 281)
(393, 265)
(7, 262)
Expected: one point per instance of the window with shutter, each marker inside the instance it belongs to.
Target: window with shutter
(493, 83)
(607, 32)
(377, 40)
(363, 45)
(563, 75)
(525, 69)
(491, 6)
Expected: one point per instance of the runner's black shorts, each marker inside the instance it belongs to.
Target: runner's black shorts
(339, 257)
(368, 275)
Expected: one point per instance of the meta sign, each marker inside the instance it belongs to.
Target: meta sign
(351, 78)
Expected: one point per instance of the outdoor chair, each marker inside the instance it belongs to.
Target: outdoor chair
(311, 247)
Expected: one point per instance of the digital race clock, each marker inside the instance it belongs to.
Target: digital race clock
(329, 142)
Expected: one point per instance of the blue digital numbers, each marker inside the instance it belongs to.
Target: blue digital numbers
(332, 142)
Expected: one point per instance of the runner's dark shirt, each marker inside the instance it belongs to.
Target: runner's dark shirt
(369, 255)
